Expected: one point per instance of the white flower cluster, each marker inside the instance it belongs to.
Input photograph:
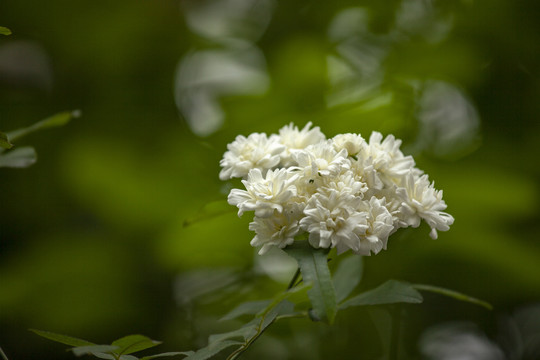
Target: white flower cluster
(344, 192)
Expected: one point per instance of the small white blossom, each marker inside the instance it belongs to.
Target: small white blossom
(424, 202)
(321, 160)
(257, 151)
(264, 194)
(278, 230)
(353, 143)
(295, 139)
(387, 158)
(333, 219)
(380, 226)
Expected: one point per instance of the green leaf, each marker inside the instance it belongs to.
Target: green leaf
(4, 141)
(390, 292)
(313, 264)
(133, 343)
(18, 158)
(347, 276)
(247, 308)
(246, 332)
(93, 349)
(167, 354)
(59, 119)
(63, 339)
(453, 294)
(4, 31)
(212, 349)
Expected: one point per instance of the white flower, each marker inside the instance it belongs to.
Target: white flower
(344, 192)
(345, 183)
(424, 202)
(380, 226)
(295, 139)
(353, 143)
(257, 151)
(321, 160)
(332, 220)
(387, 158)
(264, 194)
(278, 230)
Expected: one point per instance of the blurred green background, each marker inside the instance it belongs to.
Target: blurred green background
(92, 237)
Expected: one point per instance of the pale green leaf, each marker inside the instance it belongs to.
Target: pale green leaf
(390, 292)
(133, 343)
(4, 141)
(452, 294)
(59, 119)
(18, 158)
(212, 349)
(244, 332)
(168, 354)
(347, 276)
(247, 308)
(63, 339)
(94, 349)
(4, 31)
(313, 264)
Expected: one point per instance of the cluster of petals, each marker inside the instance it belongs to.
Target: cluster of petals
(345, 193)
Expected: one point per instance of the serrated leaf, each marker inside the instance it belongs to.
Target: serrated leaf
(347, 276)
(244, 332)
(390, 292)
(59, 119)
(63, 339)
(212, 349)
(453, 294)
(246, 308)
(168, 354)
(93, 349)
(18, 158)
(133, 343)
(4, 31)
(313, 264)
(4, 141)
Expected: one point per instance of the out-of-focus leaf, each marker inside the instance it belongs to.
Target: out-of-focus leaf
(4, 31)
(133, 343)
(212, 349)
(209, 211)
(453, 294)
(63, 339)
(247, 308)
(246, 332)
(94, 349)
(4, 141)
(313, 264)
(390, 292)
(167, 354)
(59, 119)
(347, 276)
(18, 158)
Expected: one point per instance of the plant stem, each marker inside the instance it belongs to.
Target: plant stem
(293, 280)
(3, 354)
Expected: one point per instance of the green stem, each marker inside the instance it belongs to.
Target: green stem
(294, 278)
(3, 354)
